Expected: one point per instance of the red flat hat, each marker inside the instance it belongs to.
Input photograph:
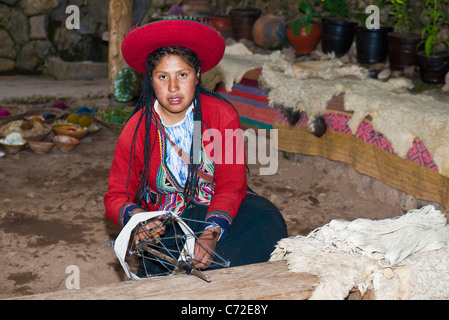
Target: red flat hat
(197, 36)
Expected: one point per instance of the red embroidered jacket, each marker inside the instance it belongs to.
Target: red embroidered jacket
(222, 177)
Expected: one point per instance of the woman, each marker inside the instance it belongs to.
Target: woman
(181, 150)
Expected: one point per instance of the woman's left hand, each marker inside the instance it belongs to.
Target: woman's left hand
(205, 248)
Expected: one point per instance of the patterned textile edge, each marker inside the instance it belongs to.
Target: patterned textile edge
(410, 177)
(336, 121)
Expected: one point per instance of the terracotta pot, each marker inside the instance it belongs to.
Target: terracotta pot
(222, 24)
(433, 68)
(304, 43)
(242, 21)
(403, 50)
(269, 32)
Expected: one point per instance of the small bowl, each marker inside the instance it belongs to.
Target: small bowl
(40, 147)
(65, 143)
(71, 131)
(13, 148)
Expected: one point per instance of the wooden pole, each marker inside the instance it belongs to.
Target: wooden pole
(119, 22)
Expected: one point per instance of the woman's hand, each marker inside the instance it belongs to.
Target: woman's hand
(150, 230)
(203, 253)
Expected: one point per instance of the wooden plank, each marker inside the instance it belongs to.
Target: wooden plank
(262, 281)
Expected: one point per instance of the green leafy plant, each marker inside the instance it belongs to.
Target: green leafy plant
(119, 114)
(336, 8)
(125, 85)
(436, 19)
(242, 4)
(306, 19)
(401, 15)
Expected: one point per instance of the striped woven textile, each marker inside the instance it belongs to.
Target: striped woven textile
(251, 102)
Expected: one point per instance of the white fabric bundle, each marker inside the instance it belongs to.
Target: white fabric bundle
(390, 240)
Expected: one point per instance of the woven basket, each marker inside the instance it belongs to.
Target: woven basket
(114, 127)
(40, 137)
(16, 112)
(34, 136)
(39, 111)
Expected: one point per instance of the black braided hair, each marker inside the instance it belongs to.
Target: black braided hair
(145, 102)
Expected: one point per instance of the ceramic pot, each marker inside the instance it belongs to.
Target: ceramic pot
(242, 21)
(403, 50)
(372, 44)
(269, 32)
(304, 43)
(337, 36)
(222, 24)
(433, 68)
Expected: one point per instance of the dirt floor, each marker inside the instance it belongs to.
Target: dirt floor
(52, 213)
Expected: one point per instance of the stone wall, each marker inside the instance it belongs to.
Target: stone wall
(35, 40)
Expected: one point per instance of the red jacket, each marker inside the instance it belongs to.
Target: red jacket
(223, 193)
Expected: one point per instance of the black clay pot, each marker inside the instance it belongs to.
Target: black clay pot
(403, 50)
(372, 44)
(433, 68)
(337, 36)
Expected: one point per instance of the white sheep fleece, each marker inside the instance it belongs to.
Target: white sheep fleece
(406, 257)
(309, 85)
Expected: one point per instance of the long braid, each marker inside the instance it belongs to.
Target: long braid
(191, 185)
(145, 103)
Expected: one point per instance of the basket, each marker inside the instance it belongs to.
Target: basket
(33, 134)
(39, 137)
(16, 112)
(41, 111)
(114, 127)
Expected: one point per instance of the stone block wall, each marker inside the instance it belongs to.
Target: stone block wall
(33, 33)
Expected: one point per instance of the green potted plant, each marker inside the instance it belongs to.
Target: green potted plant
(403, 41)
(303, 31)
(434, 59)
(337, 31)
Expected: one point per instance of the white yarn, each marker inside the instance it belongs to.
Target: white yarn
(401, 258)
(390, 240)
